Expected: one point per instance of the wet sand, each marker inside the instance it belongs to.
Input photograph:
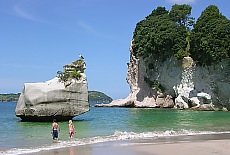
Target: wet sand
(198, 146)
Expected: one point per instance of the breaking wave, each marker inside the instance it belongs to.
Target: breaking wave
(115, 137)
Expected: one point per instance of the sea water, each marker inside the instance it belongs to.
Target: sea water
(107, 124)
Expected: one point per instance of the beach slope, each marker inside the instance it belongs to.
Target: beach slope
(207, 147)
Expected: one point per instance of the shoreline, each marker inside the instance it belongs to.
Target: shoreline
(189, 145)
(220, 147)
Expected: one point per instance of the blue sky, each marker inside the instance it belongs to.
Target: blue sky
(39, 37)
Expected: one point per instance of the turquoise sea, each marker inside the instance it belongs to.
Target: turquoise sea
(108, 124)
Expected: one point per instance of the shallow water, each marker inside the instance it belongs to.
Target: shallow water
(107, 124)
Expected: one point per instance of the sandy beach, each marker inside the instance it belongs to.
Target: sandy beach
(147, 147)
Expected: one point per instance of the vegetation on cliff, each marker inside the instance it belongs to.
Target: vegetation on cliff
(164, 33)
(72, 71)
(94, 96)
(210, 41)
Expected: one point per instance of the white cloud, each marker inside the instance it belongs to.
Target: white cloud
(181, 1)
(22, 13)
(85, 27)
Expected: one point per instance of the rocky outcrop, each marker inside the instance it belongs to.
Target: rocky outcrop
(176, 84)
(63, 100)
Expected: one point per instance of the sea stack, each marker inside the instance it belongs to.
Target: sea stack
(62, 97)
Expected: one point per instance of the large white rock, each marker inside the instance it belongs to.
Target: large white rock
(185, 84)
(44, 101)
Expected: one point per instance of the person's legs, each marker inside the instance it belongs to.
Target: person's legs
(71, 132)
(55, 134)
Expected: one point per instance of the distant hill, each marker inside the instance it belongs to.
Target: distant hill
(94, 96)
(9, 97)
(99, 97)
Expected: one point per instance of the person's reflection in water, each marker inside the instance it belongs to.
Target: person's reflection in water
(56, 152)
(72, 150)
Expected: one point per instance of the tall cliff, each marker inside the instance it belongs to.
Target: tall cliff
(176, 84)
(177, 63)
(179, 84)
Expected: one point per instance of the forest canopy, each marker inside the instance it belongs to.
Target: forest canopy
(164, 33)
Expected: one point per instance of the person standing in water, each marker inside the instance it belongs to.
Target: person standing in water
(71, 129)
(55, 130)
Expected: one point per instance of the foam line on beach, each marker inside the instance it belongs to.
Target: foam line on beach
(118, 135)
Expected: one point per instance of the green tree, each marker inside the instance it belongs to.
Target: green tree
(72, 71)
(181, 15)
(159, 36)
(158, 11)
(210, 38)
(76, 75)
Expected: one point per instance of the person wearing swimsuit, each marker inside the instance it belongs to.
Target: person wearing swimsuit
(71, 129)
(55, 130)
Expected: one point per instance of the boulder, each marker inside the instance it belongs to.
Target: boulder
(44, 101)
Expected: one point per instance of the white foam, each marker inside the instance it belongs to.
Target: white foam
(115, 137)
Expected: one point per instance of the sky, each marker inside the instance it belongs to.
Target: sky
(39, 37)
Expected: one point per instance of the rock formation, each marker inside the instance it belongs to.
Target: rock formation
(177, 62)
(63, 97)
(176, 84)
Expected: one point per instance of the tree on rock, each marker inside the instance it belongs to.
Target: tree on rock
(181, 15)
(72, 71)
(210, 38)
(158, 35)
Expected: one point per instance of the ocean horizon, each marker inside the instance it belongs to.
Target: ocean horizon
(109, 124)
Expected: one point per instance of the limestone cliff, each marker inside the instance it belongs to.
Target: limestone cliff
(176, 84)
(60, 98)
(177, 62)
